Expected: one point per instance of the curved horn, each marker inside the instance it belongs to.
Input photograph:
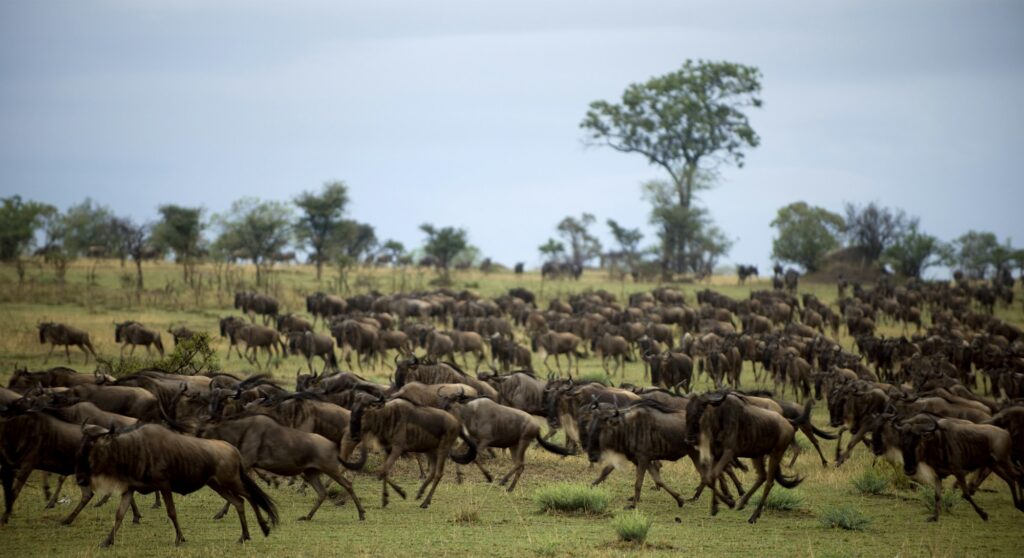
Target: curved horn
(716, 396)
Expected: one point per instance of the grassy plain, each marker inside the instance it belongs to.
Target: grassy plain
(473, 518)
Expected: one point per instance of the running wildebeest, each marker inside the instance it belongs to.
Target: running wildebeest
(148, 458)
(62, 334)
(133, 333)
(255, 303)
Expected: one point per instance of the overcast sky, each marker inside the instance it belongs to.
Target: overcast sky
(466, 113)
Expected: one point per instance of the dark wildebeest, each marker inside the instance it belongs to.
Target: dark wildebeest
(493, 425)
(258, 337)
(129, 401)
(61, 334)
(324, 306)
(353, 335)
(270, 446)
(23, 380)
(149, 458)
(425, 372)
(467, 342)
(401, 427)
(933, 448)
(521, 390)
(614, 347)
(310, 345)
(37, 440)
(745, 271)
(555, 343)
(851, 406)
(291, 323)
(181, 333)
(670, 370)
(792, 277)
(228, 327)
(724, 427)
(133, 333)
(255, 303)
(509, 354)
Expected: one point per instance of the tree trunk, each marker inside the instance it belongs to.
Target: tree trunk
(20, 267)
(258, 275)
(319, 267)
(138, 274)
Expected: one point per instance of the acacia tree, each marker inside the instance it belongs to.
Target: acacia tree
(583, 246)
(912, 253)
(689, 239)
(443, 245)
(688, 122)
(629, 243)
(258, 229)
(180, 229)
(805, 234)
(551, 249)
(132, 239)
(19, 221)
(86, 229)
(874, 228)
(319, 227)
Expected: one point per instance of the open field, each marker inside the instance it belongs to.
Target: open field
(473, 518)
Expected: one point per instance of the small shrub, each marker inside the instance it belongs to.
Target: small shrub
(546, 548)
(466, 516)
(947, 501)
(899, 480)
(844, 518)
(871, 481)
(782, 500)
(632, 526)
(571, 498)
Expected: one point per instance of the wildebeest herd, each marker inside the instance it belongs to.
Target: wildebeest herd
(940, 401)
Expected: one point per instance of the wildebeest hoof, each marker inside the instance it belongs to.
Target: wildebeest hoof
(983, 515)
(303, 518)
(137, 520)
(932, 519)
(752, 520)
(107, 543)
(362, 517)
(425, 505)
(630, 506)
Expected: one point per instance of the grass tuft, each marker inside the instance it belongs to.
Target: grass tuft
(782, 500)
(843, 517)
(571, 498)
(632, 526)
(599, 377)
(947, 501)
(466, 516)
(871, 481)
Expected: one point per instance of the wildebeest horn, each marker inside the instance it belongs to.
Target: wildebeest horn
(716, 396)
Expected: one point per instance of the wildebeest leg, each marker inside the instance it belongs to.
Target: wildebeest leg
(67, 352)
(223, 511)
(156, 500)
(656, 475)
(604, 474)
(774, 463)
(546, 365)
(797, 450)
(7, 476)
(87, 495)
(418, 457)
(82, 347)
(711, 476)
(937, 489)
(172, 513)
(806, 429)
(962, 483)
(126, 500)
(839, 441)
(519, 460)
(438, 471)
(759, 466)
(52, 502)
(52, 347)
(340, 479)
(1015, 489)
(485, 472)
(383, 474)
(313, 479)
(559, 364)
(861, 433)
(103, 500)
(641, 470)
(432, 470)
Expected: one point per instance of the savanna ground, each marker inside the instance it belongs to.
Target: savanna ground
(473, 518)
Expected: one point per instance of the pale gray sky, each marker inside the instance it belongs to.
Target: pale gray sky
(466, 113)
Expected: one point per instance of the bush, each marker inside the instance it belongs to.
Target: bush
(871, 481)
(632, 526)
(947, 502)
(844, 518)
(466, 516)
(782, 500)
(571, 498)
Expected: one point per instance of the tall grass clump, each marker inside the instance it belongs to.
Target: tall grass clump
(599, 377)
(947, 501)
(632, 526)
(782, 500)
(843, 517)
(571, 498)
(871, 481)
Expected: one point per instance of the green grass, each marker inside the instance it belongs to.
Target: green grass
(632, 526)
(871, 482)
(469, 519)
(572, 498)
(782, 500)
(947, 501)
(844, 517)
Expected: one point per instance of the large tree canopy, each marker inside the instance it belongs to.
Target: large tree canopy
(805, 234)
(583, 246)
(683, 121)
(444, 244)
(256, 230)
(180, 229)
(875, 228)
(319, 226)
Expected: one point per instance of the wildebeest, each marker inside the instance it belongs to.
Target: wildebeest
(493, 425)
(133, 333)
(724, 427)
(149, 458)
(181, 333)
(256, 303)
(62, 334)
(290, 323)
(258, 337)
(310, 345)
(23, 380)
(745, 271)
(509, 354)
(324, 306)
(130, 401)
(556, 343)
(427, 372)
(933, 448)
(670, 370)
(270, 446)
(614, 347)
(401, 427)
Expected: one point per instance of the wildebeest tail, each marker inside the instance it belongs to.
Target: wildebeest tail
(822, 434)
(259, 499)
(332, 359)
(787, 482)
(470, 455)
(805, 417)
(557, 450)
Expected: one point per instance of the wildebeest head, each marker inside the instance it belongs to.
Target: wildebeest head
(910, 437)
(695, 409)
(43, 327)
(355, 425)
(600, 419)
(403, 367)
(91, 436)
